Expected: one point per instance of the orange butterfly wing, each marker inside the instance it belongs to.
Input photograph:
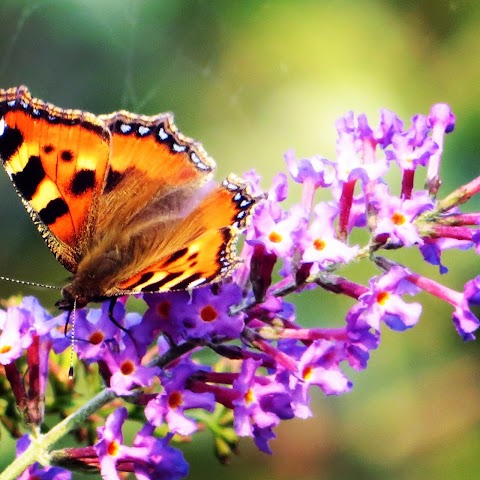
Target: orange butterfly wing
(163, 172)
(210, 255)
(149, 161)
(57, 160)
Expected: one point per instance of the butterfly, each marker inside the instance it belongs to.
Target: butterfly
(125, 202)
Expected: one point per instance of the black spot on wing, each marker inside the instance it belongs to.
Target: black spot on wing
(176, 256)
(28, 180)
(55, 209)
(10, 142)
(48, 148)
(157, 286)
(83, 181)
(66, 155)
(113, 179)
(193, 256)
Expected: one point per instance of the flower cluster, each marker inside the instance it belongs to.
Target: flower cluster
(266, 362)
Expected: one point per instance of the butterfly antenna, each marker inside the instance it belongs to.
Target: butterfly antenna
(72, 339)
(31, 284)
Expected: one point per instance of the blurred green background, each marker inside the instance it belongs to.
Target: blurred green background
(251, 79)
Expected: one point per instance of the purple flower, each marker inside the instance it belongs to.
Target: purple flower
(432, 249)
(160, 313)
(17, 333)
(51, 331)
(94, 330)
(465, 321)
(357, 349)
(261, 402)
(261, 437)
(413, 147)
(175, 399)
(276, 233)
(320, 245)
(395, 216)
(355, 152)
(278, 191)
(472, 291)
(316, 169)
(463, 318)
(110, 448)
(158, 460)
(319, 366)
(41, 320)
(358, 212)
(126, 369)
(390, 124)
(476, 241)
(442, 121)
(37, 471)
(203, 315)
(253, 179)
(151, 457)
(312, 173)
(383, 302)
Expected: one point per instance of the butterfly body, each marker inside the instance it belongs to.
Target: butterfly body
(125, 202)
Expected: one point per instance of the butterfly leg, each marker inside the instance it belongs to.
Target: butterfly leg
(111, 306)
(67, 322)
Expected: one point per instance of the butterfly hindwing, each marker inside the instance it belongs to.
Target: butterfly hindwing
(198, 263)
(208, 254)
(57, 161)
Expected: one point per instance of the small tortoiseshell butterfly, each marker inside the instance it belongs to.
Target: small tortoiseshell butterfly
(125, 202)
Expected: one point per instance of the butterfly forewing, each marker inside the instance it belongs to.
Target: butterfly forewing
(150, 163)
(155, 147)
(57, 160)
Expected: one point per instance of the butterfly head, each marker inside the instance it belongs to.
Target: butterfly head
(71, 299)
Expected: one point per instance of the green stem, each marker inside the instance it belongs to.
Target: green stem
(38, 450)
(459, 196)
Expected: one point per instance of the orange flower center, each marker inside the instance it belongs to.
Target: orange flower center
(307, 372)
(175, 399)
(398, 218)
(383, 297)
(208, 314)
(319, 244)
(275, 237)
(5, 348)
(113, 448)
(127, 367)
(163, 309)
(249, 396)
(96, 338)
